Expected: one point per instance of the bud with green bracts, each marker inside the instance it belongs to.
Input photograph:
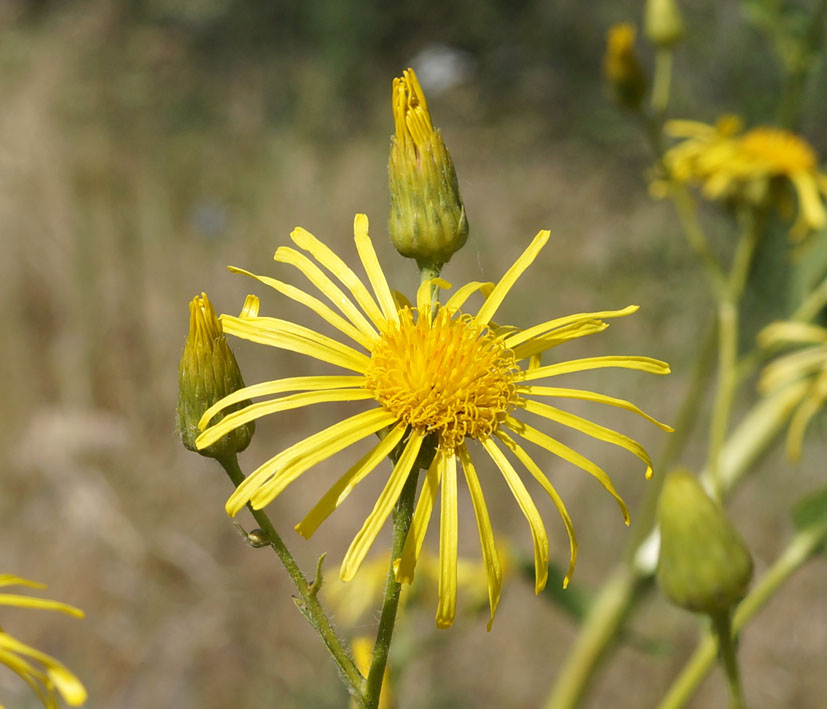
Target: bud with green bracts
(427, 219)
(704, 564)
(208, 372)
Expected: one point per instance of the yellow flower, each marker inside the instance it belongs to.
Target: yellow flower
(44, 674)
(436, 376)
(808, 363)
(729, 164)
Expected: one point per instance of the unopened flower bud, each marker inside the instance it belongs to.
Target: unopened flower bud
(208, 372)
(663, 23)
(704, 564)
(427, 218)
(622, 67)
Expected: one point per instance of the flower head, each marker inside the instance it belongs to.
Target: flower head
(47, 677)
(427, 218)
(806, 368)
(733, 165)
(432, 372)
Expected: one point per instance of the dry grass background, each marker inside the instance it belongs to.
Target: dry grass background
(111, 221)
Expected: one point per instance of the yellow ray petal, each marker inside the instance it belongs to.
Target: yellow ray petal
(447, 606)
(552, 339)
(344, 432)
(12, 580)
(533, 389)
(541, 329)
(457, 300)
(364, 539)
(594, 430)
(535, 522)
(295, 338)
(264, 408)
(404, 566)
(69, 686)
(493, 301)
(490, 557)
(297, 294)
(333, 263)
(278, 386)
(318, 278)
(563, 451)
(810, 206)
(541, 478)
(14, 599)
(809, 407)
(426, 295)
(643, 364)
(371, 264)
(345, 484)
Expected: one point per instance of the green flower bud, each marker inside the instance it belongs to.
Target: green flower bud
(427, 218)
(663, 23)
(704, 564)
(622, 67)
(208, 372)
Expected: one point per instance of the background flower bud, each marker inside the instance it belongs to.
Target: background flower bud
(622, 67)
(663, 23)
(704, 564)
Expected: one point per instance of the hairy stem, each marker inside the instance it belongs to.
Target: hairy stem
(307, 603)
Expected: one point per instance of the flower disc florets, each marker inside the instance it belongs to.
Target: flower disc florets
(784, 152)
(449, 375)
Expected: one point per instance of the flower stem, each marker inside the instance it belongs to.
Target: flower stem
(402, 516)
(662, 81)
(798, 551)
(307, 603)
(722, 626)
(729, 299)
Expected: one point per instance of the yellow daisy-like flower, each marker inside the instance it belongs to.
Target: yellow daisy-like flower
(436, 376)
(47, 677)
(808, 363)
(731, 164)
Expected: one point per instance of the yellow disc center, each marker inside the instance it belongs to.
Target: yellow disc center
(784, 152)
(451, 375)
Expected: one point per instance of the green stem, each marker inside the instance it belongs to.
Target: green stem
(661, 82)
(798, 551)
(402, 516)
(688, 216)
(307, 603)
(729, 299)
(722, 626)
(606, 616)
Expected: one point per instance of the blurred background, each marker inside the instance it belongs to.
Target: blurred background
(146, 144)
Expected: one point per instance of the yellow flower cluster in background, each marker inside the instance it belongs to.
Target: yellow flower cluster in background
(730, 164)
(47, 677)
(807, 364)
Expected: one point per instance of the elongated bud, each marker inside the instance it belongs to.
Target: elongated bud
(704, 564)
(663, 22)
(622, 67)
(208, 372)
(427, 218)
